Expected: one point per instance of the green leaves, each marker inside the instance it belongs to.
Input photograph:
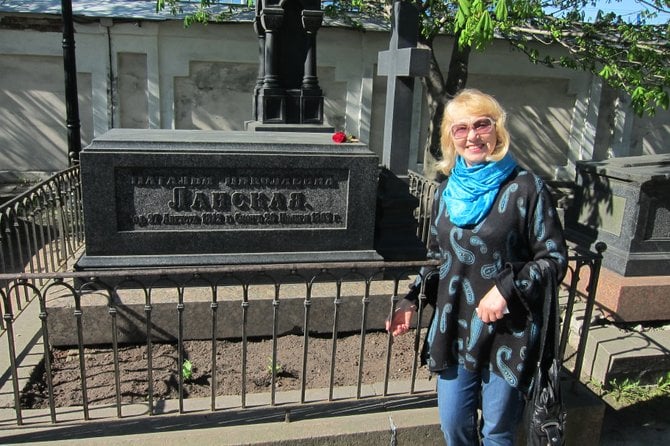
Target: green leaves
(464, 7)
(501, 10)
(187, 370)
(606, 72)
(477, 20)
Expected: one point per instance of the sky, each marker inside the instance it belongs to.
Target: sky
(626, 8)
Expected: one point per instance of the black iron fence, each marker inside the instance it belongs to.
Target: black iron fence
(42, 232)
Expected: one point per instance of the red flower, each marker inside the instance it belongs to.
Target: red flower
(339, 137)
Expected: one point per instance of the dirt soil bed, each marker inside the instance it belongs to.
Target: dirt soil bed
(100, 380)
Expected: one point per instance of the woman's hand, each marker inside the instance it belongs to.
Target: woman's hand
(492, 307)
(399, 323)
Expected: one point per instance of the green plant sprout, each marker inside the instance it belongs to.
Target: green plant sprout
(274, 368)
(187, 370)
(631, 391)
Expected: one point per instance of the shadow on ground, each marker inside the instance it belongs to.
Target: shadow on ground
(644, 423)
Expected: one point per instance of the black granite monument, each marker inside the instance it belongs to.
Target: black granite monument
(287, 89)
(183, 197)
(178, 197)
(625, 202)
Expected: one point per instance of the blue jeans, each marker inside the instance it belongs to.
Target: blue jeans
(458, 396)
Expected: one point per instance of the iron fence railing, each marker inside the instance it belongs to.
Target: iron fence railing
(424, 189)
(75, 287)
(37, 274)
(41, 229)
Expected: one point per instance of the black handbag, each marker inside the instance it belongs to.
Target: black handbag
(544, 414)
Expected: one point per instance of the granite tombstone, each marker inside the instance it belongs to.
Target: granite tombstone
(182, 197)
(178, 197)
(624, 202)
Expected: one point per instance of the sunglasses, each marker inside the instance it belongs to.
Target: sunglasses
(481, 126)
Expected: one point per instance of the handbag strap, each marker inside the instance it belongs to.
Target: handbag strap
(549, 309)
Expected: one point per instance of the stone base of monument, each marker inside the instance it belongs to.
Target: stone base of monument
(634, 299)
(160, 198)
(131, 318)
(629, 299)
(619, 353)
(396, 226)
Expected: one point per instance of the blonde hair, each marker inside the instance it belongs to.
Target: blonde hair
(476, 103)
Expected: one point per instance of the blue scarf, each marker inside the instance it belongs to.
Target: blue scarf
(471, 191)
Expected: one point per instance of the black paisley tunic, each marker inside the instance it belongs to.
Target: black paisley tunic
(520, 236)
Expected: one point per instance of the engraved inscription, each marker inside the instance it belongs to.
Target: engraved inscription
(225, 199)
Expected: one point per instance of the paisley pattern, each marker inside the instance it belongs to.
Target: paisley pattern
(504, 251)
(503, 354)
(469, 293)
(505, 197)
(476, 326)
(444, 318)
(446, 266)
(477, 241)
(490, 270)
(539, 220)
(521, 206)
(462, 254)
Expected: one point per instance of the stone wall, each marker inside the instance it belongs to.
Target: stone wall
(157, 74)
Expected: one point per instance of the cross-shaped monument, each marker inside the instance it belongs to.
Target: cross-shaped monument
(401, 63)
(395, 236)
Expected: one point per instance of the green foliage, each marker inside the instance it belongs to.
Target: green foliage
(203, 11)
(631, 391)
(629, 57)
(274, 368)
(476, 20)
(187, 370)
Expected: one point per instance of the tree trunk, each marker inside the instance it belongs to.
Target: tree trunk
(438, 93)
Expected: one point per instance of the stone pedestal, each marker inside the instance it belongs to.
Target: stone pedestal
(180, 197)
(635, 298)
(396, 227)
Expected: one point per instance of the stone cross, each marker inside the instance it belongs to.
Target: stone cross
(401, 63)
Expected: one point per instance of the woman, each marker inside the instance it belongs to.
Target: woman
(497, 232)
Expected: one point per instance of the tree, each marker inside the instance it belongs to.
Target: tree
(631, 57)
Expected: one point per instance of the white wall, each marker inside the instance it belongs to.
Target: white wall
(146, 74)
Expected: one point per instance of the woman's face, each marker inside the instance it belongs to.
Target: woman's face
(474, 137)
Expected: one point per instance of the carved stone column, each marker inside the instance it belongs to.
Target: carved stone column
(258, 28)
(311, 22)
(272, 96)
(311, 100)
(271, 19)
